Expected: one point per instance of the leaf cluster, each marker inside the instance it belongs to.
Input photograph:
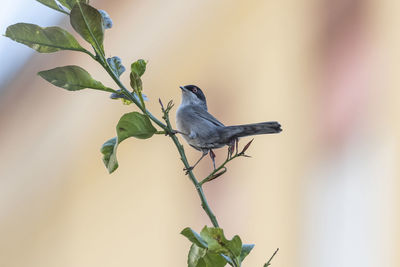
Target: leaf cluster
(211, 248)
(88, 22)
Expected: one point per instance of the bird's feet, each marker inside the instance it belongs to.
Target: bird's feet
(212, 156)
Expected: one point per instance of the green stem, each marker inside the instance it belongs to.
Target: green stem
(125, 91)
(195, 182)
(167, 128)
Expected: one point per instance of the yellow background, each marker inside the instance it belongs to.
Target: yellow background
(256, 61)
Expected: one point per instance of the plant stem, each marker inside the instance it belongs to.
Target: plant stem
(105, 65)
(198, 187)
(195, 182)
(167, 128)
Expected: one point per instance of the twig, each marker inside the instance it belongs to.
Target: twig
(270, 259)
(216, 173)
(231, 149)
(195, 182)
(167, 128)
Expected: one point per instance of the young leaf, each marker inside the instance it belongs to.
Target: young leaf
(52, 4)
(194, 237)
(134, 124)
(43, 40)
(195, 256)
(215, 239)
(235, 246)
(88, 22)
(246, 248)
(139, 67)
(72, 78)
(109, 151)
(116, 65)
(200, 257)
(131, 124)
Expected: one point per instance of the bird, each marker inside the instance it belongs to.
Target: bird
(204, 132)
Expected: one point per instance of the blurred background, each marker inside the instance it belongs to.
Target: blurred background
(325, 190)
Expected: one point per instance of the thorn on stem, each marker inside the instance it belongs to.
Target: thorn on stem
(246, 147)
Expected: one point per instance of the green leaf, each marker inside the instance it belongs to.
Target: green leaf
(131, 124)
(109, 151)
(72, 78)
(43, 40)
(52, 4)
(235, 246)
(139, 67)
(70, 3)
(66, 3)
(88, 22)
(194, 237)
(217, 243)
(228, 260)
(134, 124)
(215, 239)
(214, 260)
(212, 247)
(201, 257)
(195, 256)
(246, 248)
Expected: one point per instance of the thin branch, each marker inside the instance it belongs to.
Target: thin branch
(195, 182)
(222, 169)
(166, 127)
(270, 259)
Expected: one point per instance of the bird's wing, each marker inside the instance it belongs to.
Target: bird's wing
(202, 113)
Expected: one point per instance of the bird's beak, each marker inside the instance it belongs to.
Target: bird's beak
(183, 88)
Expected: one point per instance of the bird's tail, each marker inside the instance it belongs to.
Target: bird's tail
(236, 131)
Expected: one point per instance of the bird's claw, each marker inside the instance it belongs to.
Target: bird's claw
(212, 156)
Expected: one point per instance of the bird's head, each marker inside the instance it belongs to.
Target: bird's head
(192, 95)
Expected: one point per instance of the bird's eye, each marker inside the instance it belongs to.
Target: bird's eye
(194, 90)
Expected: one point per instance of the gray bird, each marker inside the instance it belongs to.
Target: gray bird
(204, 132)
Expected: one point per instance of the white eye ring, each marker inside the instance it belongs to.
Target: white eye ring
(194, 90)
